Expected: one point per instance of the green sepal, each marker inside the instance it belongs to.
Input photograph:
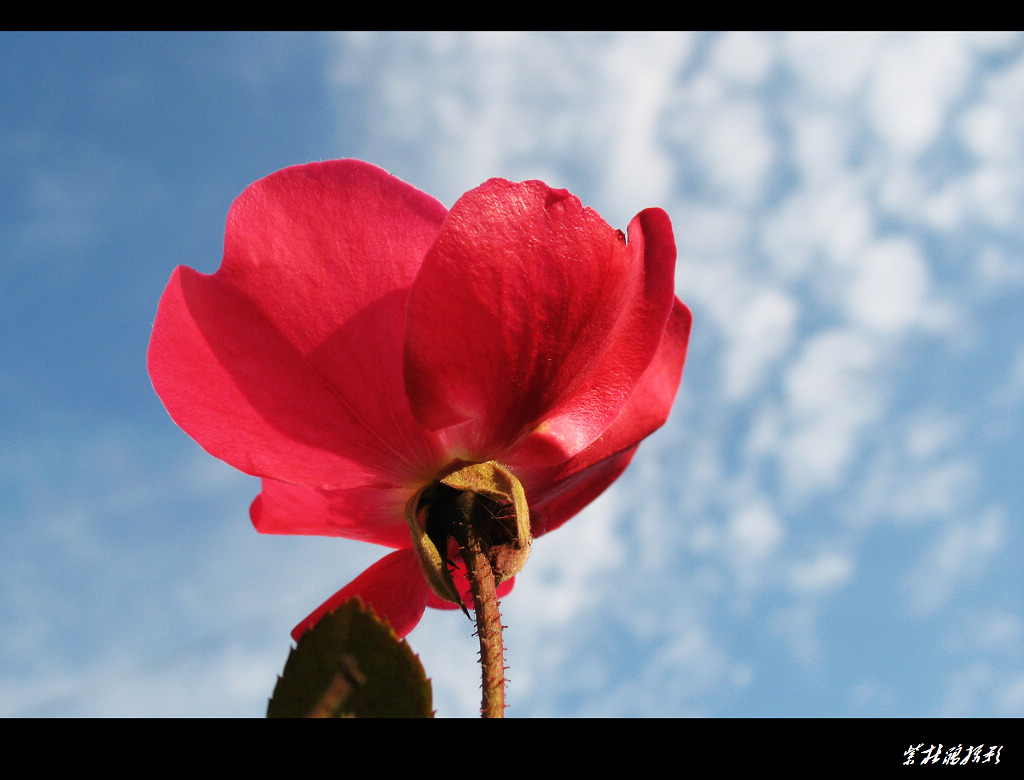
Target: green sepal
(507, 539)
(351, 664)
(501, 515)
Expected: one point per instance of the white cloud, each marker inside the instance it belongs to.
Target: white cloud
(820, 149)
(912, 87)
(994, 631)
(638, 75)
(832, 65)
(987, 130)
(232, 680)
(566, 564)
(932, 434)
(982, 690)
(689, 665)
(1010, 390)
(754, 533)
(823, 572)
(960, 552)
(819, 228)
(916, 472)
(797, 627)
(722, 140)
(1010, 696)
(831, 397)
(762, 330)
(743, 58)
(63, 213)
(755, 319)
(990, 127)
(998, 271)
(890, 286)
(934, 491)
(523, 106)
(735, 149)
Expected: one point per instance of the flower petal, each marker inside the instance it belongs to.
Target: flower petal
(288, 361)
(648, 407)
(531, 315)
(369, 514)
(394, 586)
(557, 493)
(565, 497)
(614, 384)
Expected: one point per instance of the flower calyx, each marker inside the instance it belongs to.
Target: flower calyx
(469, 503)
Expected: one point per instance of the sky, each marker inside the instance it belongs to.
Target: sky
(830, 523)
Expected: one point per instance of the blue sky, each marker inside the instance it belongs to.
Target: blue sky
(828, 525)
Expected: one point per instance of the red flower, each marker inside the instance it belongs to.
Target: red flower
(358, 338)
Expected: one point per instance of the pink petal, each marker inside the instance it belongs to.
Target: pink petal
(531, 315)
(648, 407)
(394, 586)
(369, 514)
(558, 493)
(288, 361)
(464, 588)
(631, 359)
(562, 499)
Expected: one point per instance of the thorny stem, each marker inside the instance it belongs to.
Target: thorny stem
(488, 619)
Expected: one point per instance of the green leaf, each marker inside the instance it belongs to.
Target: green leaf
(351, 664)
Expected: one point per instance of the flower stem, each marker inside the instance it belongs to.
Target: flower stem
(488, 620)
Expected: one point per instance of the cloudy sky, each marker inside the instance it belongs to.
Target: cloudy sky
(830, 524)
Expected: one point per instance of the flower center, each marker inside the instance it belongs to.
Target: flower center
(482, 501)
